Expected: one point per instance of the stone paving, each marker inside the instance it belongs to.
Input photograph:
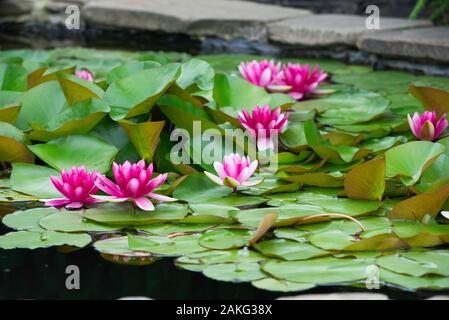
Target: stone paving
(332, 29)
(222, 18)
(424, 43)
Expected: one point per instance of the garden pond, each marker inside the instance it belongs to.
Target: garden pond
(357, 197)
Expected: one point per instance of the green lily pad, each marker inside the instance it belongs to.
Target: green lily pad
(409, 160)
(13, 145)
(27, 219)
(224, 239)
(137, 93)
(288, 249)
(276, 285)
(222, 256)
(238, 272)
(164, 246)
(36, 239)
(197, 188)
(65, 152)
(34, 180)
(331, 240)
(72, 221)
(126, 215)
(326, 270)
(165, 229)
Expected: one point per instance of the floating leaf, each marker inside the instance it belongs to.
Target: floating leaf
(67, 221)
(366, 181)
(379, 242)
(34, 180)
(225, 239)
(288, 249)
(12, 145)
(319, 270)
(65, 152)
(434, 99)
(126, 215)
(272, 284)
(222, 256)
(331, 240)
(408, 161)
(415, 208)
(35, 239)
(27, 219)
(144, 136)
(164, 246)
(265, 224)
(239, 272)
(137, 93)
(197, 188)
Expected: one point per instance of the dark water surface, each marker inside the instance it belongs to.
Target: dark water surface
(41, 274)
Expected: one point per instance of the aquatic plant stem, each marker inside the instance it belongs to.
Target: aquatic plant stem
(340, 215)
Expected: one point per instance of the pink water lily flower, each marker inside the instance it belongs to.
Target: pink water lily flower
(234, 171)
(264, 124)
(77, 186)
(133, 183)
(85, 75)
(301, 79)
(427, 126)
(261, 73)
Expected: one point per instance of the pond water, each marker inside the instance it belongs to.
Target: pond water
(379, 111)
(41, 274)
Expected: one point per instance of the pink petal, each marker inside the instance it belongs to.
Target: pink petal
(144, 204)
(220, 169)
(56, 202)
(160, 197)
(109, 198)
(133, 187)
(214, 178)
(74, 205)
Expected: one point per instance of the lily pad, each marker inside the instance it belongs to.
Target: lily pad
(288, 249)
(72, 221)
(324, 270)
(239, 272)
(276, 285)
(126, 215)
(408, 161)
(224, 239)
(65, 152)
(165, 246)
(36, 239)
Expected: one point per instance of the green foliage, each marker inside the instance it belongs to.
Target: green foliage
(439, 10)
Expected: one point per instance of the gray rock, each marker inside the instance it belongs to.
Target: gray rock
(423, 43)
(332, 29)
(221, 18)
(338, 296)
(14, 7)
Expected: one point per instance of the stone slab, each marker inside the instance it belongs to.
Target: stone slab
(221, 18)
(423, 43)
(332, 29)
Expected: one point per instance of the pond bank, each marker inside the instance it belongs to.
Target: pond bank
(223, 26)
